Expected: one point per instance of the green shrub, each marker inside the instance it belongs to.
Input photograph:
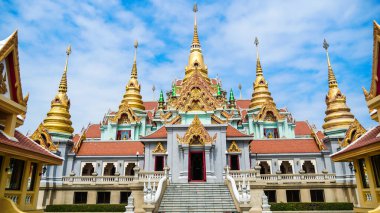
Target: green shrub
(86, 208)
(310, 206)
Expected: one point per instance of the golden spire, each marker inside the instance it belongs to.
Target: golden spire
(196, 56)
(338, 115)
(132, 95)
(261, 94)
(58, 118)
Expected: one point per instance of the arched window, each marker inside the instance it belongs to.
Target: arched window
(88, 169)
(109, 169)
(129, 169)
(265, 167)
(308, 167)
(286, 167)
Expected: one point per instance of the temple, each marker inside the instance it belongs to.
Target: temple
(199, 136)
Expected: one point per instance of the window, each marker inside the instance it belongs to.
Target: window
(32, 176)
(80, 197)
(123, 135)
(234, 162)
(270, 133)
(363, 173)
(109, 169)
(15, 172)
(376, 168)
(129, 169)
(308, 167)
(271, 194)
(103, 197)
(286, 167)
(88, 169)
(124, 197)
(317, 195)
(159, 163)
(265, 168)
(293, 196)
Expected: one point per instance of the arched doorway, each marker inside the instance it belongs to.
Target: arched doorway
(129, 169)
(197, 168)
(109, 169)
(87, 169)
(286, 167)
(308, 167)
(265, 167)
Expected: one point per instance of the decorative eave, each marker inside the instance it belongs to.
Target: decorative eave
(77, 145)
(268, 107)
(43, 138)
(196, 133)
(159, 149)
(354, 132)
(234, 148)
(125, 114)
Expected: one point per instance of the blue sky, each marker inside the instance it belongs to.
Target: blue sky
(102, 33)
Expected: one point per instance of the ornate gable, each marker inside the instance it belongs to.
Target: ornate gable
(42, 137)
(197, 94)
(234, 148)
(196, 134)
(354, 132)
(125, 115)
(159, 149)
(269, 112)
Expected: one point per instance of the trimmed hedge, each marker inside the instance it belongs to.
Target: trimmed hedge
(86, 208)
(310, 206)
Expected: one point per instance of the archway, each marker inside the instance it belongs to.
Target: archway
(88, 169)
(109, 169)
(308, 167)
(129, 169)
(265, 167)
(286, 167)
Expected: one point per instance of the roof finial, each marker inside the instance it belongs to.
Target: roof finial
(63, 83)
(259, 70)
(331, 75)
(196, 43)
(134, 67)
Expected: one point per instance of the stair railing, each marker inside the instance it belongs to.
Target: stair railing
(242, 192)
(152, 193)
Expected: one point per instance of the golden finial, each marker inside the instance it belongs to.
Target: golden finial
(331, 75)
(196, 43)
(134, 67)
(63, 83)
(259, 70)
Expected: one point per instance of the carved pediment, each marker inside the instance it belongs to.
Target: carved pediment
(269, 112)
(196, 134)
(42, 137)
(354, 132)
(233, 148)
(125, 115)
(159, 149)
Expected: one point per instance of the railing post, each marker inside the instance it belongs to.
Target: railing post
(278, 173)
(137, 170)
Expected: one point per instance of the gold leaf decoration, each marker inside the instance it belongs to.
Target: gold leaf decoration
(196, 134)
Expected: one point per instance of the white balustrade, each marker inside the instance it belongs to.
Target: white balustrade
(13, 197)
(28, 199)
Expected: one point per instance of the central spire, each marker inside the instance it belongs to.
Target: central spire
(196, 57)
(261, 94)
(338, 115)
(132, 96)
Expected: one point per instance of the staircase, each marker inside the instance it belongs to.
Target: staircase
(197, 197)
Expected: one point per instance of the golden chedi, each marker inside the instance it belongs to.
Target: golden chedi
(261, 94)
(58, 118)
(132, 95)
(196, 57)
(338, 115)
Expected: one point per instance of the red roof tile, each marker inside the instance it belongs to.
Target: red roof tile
(76, 138)
(150, 105)
(302, 128)
(369, 138)
(160, 133)
(243, 114)
(232, 132)
(243, 104)
(320, 135)
(27, 144)
(111, 148)
(93, 131)
(273, 146)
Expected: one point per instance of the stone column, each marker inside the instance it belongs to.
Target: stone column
(257, 191)
(185, 159)
(138, 195)
(305, 195)
(207, 159)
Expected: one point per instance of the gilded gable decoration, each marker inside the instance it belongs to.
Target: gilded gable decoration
(197, 95)
(42, 137)
(320, 144)
(354, 132)
(82, 138)
(196, 134)
(269, 112)
(3, 80)
(176, 120)
(375, 78)
(125, 115)
(159, 149)
(216, 120)
(234, 148)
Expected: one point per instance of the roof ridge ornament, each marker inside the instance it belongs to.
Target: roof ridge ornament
(331, 75)
(259, 70)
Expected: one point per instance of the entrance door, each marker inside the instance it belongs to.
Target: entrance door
(197, 168)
